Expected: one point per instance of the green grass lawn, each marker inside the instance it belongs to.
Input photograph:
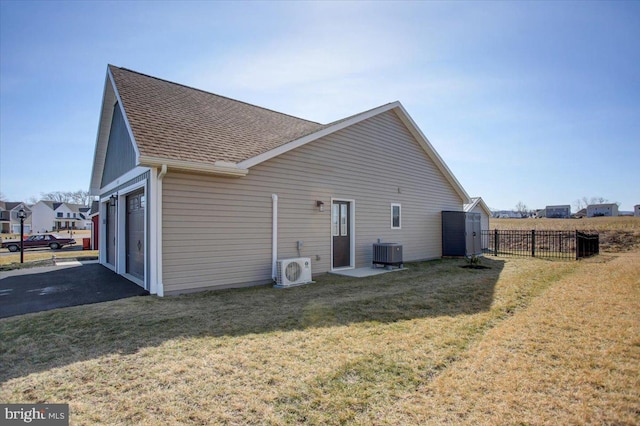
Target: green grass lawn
(343, 350)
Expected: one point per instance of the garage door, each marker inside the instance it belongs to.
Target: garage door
(135, 234)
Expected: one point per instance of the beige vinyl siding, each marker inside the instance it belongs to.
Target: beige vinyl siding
(217, 231)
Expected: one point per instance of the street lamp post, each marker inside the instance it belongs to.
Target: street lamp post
(22, 215)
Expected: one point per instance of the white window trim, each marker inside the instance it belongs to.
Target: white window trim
(399, 215)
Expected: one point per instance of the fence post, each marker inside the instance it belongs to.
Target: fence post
(495, 242)
(533, 243)
(577, 244)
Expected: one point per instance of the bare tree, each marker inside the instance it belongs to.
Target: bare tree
(583, 202)
(80, 196)
(521, 208)
(57, 196)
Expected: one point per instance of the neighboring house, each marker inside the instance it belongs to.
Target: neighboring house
(9, 220)
(506, 214)
(558, 212)
(595, 210)
(49, 216)
(477, 205)
(198, 191)
(636, 210)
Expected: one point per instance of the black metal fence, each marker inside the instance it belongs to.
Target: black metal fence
(547, 244)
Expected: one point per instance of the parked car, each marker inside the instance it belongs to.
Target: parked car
(42, 240)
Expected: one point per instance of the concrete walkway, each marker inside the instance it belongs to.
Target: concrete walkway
(367, 271)
(29, 290)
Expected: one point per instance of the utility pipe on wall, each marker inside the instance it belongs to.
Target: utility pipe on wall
(274, 237)
(159, 283)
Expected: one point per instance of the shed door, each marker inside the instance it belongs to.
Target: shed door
(135, 234)
(110, 237)
(473, 231)
(341, 234)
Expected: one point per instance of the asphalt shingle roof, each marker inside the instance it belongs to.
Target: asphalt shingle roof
(172, 121)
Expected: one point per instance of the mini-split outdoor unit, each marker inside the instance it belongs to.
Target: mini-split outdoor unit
(291, 272)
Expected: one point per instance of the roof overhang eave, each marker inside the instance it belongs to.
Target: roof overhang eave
(219, 168)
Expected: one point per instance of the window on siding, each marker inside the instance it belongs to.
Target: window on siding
(396, 214)
(59, 214)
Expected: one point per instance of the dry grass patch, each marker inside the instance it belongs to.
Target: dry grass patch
(572, 357)
(617, 234)
(38, 256)
(340, 351)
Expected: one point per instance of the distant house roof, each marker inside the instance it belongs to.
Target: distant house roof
(10, 205)
(53, 205)
(95, 208)
(595, 206)
(580, 213)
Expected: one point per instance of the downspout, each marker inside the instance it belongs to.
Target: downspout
(160, 284)
(274, 238)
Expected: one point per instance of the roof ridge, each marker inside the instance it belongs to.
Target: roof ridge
(213, 94)
(340, 120)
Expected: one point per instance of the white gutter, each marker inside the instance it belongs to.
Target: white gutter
(274, 238)
(222, 168)
(159, 283)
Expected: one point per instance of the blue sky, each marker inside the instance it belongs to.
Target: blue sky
(535, 102)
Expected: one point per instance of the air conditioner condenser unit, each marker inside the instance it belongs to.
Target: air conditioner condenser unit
(293, 272)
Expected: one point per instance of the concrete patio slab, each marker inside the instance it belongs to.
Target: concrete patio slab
(365, 272)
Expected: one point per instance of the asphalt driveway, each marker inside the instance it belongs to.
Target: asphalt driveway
(41, 289)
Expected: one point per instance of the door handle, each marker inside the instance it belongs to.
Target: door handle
(139, 245)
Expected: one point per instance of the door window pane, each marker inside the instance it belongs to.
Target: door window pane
(334, 220)
(343, 219)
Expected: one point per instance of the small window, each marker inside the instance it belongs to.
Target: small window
(59, 214)
(396, 214)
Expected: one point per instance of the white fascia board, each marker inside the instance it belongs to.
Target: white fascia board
(431, 152)
(246, 164)
(406, 119)
(102, 135)
(478, 202)
(484, 206)
(220, 168)
(109, 97)
(131, 174)
(124, 116)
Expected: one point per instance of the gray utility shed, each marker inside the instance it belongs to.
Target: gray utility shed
(461, 234)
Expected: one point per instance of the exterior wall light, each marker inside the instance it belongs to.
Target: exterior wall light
(112, 200)
(320, 205)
